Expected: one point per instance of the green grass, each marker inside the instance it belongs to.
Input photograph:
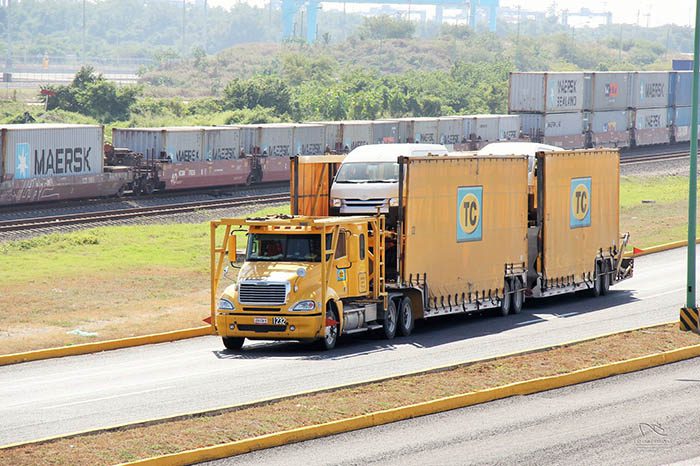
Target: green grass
(663, 189)
(110, 249)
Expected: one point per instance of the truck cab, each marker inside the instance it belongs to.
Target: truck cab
(367, 181)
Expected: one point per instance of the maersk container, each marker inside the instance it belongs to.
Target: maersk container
(309, 139)
(355, 133)
(418, 130)
(333, 136)
(50, 150)
(651, 126)
(681, 123)
(175, 144)
(545, 92)
(385, 131)
(451, 130)
(681, 88)
(608, 91)
(610, 128)
(273, 139)
(484, 127)
(508, 127)
(558, 129)
(222, 143)
(650, 89)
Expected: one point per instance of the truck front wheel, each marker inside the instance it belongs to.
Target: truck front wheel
(405, 317)
(330, 335)
(233, 343)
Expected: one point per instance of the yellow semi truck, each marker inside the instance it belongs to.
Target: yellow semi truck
(465, 240)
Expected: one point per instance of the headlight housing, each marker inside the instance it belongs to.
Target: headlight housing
(335, 202)
(225, 304)
(394, 202)
(306, 305)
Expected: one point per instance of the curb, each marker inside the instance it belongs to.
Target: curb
(420, 409)
(96, 347)
(659, 248)
(264, 401)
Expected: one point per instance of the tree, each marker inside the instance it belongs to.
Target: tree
(386, 27)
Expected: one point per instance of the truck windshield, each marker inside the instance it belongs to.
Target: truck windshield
(368, 172)
(292, 248)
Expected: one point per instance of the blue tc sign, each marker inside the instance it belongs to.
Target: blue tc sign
(580, 203)
(469, 213)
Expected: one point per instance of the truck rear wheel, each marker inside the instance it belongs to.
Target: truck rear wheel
(405, 317)
(233, 343)
(606, 277)
(597, 289)
(517, 296)
(505, 302)
(389, 324)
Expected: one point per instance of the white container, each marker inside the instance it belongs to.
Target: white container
(485, 127)
(418, 130)
(274, 139)
(609, 91)
(451, 130)
(222, 143)
(177, 144)
(610, 128)
(309, 139)
(650, 89)
(651, 126)
(355, 133)
(546, 92)
(508, 127)
(385, 131)
(50, 150)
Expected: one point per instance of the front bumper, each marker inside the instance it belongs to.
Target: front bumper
(248, 325)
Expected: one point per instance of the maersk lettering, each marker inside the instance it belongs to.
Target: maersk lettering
(62, 161)
(566, 86)
(654, 90)
(566, 93)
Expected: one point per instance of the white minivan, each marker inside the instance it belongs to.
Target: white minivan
(519, 148)
(368, 179)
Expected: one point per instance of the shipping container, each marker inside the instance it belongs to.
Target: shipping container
(566, 130)
(222, 143)
(682, 64)
(607, 91)
(443, 237)
(681, 88)
(385, 131)
(651, 126)
(508, 127)
(680, 118)
(61, 188)
(452, 130)
(177, 144)
(650, 89)
(545, 92)
(309, 139)
(355, 133)
(484, 127)
(271, 139)
(578, 213)
(610, 129)
(50, 150)
(332, 136)
(418, 130)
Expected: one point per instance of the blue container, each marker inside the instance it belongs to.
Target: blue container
(682, 65)
(682, 116)
(681, 88)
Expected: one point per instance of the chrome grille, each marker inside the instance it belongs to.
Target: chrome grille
(262, 293)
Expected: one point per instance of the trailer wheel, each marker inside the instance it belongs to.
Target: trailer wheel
(148, 188)
(330, 336)
(233, 343)
(518, 297)
(505, 302)
(606, 278)
(389, 324)
(406, 322)
(597, 289)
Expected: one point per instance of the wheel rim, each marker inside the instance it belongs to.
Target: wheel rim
(331, 332)
(505, 304)
(405, 317)
(518, 297)
(391, 317)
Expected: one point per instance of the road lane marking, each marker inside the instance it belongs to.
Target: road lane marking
(107, 397)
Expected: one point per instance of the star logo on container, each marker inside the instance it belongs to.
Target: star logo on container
(22, 160)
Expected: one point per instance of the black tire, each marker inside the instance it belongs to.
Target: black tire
(504, 310)
(389, 324)
(405, 320)
(148, 188)
(120, 191)
(518, 297)
(233, 343)
(606, 277)
(330, 338)
(597, 289)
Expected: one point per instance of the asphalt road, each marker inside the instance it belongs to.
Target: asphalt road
(644, 418)
(59, 396)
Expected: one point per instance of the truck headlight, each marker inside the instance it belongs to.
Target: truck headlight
(394, 202)
(335, 202)
(307, 305)
(225, 304)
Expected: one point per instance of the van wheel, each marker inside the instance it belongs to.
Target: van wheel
(505, 302)
(330, 336)
(405, 317)
(233, 343)
(518, 297)
(389, 324)
(597, 289)
(606, 278)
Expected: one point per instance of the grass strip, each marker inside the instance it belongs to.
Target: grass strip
(129, 444)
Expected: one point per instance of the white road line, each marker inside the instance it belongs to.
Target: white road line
(106, 398)
(662, 294)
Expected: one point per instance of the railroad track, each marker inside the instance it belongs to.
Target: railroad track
(121, 214)
(652, 157)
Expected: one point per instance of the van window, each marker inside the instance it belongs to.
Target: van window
(368, 172)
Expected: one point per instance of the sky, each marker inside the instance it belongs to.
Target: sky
(679, 12)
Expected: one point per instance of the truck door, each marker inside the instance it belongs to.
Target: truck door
(341, 264)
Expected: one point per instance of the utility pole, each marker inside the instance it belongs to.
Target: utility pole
(82, 47)
(689, 314)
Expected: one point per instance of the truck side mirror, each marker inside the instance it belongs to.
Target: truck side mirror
(354, 249)
(232, 248)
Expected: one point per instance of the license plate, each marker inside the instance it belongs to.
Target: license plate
(260, 320)
(279, 321)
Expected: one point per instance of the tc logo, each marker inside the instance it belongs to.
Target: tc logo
(580, 203)
(469, 213)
